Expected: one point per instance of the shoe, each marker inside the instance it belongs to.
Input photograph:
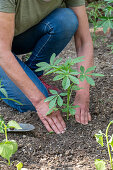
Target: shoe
(48, 87)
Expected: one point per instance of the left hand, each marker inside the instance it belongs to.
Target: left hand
(82, 114)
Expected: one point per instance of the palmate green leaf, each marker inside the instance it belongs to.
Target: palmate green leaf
(57, 61)
(19, 166)
(90, 69)
(7, 149)
(50, 111)
(52, 58)
(76, 106)
(53, 92)
(74, 79)
(74, 87)
(59, 101)
(96, 74)
(100, 164)
(77, 60)
(41, 69)
(42, 64)
(3, 91)
(13, 124)
(90, 80)
(52, 103)
(65, 83)
(82, 69)
(99, 138)
(63, 94)
(64, 110)
(58, 77)
(72, 111)
(82, 77)
(50, 71)
(49, 98)
(74, 72)
(111, 142)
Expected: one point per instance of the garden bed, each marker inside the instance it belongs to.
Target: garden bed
(76, 148)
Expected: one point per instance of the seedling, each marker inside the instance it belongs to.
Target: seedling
(94, 13)
(106, 21)
(70, 80)
(100, 164)
(8, 147)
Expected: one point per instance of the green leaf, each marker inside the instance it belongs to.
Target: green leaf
(49, 72)
(90, 69)
(52, 58)
(72, 111)
(64, 110)
(111, 142)
(57, 61)
(13, 124)
(13, 100)
(7, 149)
(50, 111)
(96, 74)
(59, 101)
(49, 98)
(65, 83)
(40, 69)
(90, 80)
(3, 91)
(52, 103)
(77, 60)
(82, 77)
(99, 138)
(74, 72)
(74, 79)
(76, 106)
(19, 166)
(58, 77)
(63, 94)
(74, 87)
(53, 91)
(42, 64)
(82, 69)
(100, 164)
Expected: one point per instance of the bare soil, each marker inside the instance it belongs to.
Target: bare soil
(77, 148)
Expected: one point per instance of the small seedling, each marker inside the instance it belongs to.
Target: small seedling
(8, 147)
(106, 21)
(100, 164)
(70, 80)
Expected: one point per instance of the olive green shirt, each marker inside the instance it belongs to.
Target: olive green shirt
(30, 12)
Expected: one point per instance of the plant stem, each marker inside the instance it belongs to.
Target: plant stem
(6, 133)
(68, 100)
(108, 144)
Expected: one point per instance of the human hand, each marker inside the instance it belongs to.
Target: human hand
(82, 114)
(52, 122)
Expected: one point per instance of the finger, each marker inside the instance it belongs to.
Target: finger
(46, 124)
(77, 115)
(58, 124)
(89, 116)
(53, 126)
(61, 121)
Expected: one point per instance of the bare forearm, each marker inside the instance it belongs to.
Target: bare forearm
(15, 72)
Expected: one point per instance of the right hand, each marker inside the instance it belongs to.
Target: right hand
(54, 121)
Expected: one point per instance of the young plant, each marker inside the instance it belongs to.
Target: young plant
(8, 147)
(70, 80)
(100, 164)
(94, 11)
(106, 21)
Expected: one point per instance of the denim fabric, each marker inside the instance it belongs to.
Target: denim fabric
(50, 36)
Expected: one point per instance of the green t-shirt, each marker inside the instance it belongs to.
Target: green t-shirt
(30, 12)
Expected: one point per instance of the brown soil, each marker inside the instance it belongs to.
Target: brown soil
(76, 149)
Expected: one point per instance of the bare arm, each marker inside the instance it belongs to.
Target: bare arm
(20, 78)
(84, 47)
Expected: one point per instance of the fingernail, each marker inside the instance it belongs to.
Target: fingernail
(64, 128)
(63, 131)
(58, 133)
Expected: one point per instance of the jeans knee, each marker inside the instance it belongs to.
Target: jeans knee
(64, 21)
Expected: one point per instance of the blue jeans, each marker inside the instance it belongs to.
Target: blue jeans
(50, 36)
